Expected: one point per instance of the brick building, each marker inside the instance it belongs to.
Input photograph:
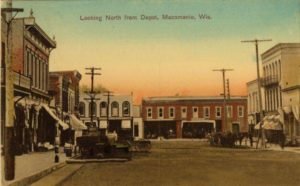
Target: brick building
(192, 117)
(35, 123)
(65, 87)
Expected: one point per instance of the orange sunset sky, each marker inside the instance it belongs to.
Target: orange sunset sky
(164, 57)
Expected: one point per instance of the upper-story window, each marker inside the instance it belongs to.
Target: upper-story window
(241, 111)
(126, 108)
(195, 112)
(103, 109)
(149, 112)
(82, 108)
(229, 111)
(218, 112)
(183, 112)
(171, 112)
(114, 109)
(206, 112)
(160, 111)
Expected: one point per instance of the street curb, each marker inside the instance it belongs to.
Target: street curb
(68, 176)
(33, 178)
(71, 161)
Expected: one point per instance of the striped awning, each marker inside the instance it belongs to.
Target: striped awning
(50, 112)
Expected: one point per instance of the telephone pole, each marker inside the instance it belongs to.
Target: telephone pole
(108, 94)
(9, 152)
(256, 41)
(92, 93)
(224, 94)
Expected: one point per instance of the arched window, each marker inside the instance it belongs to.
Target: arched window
(94, 109)
(82, 108)
(114, 109)
(126, 108)
(103, 109)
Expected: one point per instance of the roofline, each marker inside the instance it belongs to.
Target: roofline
(277, 47)
(30, 21)
(190, 98)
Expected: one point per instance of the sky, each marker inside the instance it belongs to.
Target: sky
(164, 57)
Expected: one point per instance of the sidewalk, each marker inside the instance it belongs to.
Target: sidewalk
(31, 167)
(272, 146)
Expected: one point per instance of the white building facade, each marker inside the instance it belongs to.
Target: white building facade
(281, 82)
(110, 113)
(253, 103)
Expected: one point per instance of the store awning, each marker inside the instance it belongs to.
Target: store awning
(272, 125)
(271, 122)
(76, 123)
(60, 122)
(126, 124)
(257, 126)
(103, 124)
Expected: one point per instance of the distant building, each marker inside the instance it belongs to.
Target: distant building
(138, 127)
(281, 82)
(253, 103)
(192, 117)
(65, 87)
(110, 113)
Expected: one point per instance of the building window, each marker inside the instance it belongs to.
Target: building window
(103, 109)
(2, 54)
(195, 112)
(94, 109)
(241, 111)
(218, 112)
(160, 111)
(33, 70)
(114, 109)
(126, 108)
(149, 112)
(183, 112)
(229, 111)
(171, 112)
(82, 109)
(206, 112)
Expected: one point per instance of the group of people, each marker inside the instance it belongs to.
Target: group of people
(229, 139)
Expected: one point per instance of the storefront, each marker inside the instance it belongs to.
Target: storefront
(155, 129)
(197, 129)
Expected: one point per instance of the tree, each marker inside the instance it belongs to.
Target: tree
(98, 88)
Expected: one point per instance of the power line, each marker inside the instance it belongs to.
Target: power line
(223, 70)
(256, 41)
(92, 93)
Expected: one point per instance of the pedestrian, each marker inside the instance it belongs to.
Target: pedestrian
(282, 140)
(250, 139)
(240, 136)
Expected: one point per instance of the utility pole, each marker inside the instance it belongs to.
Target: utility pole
(92, 93)
(228, 89)
(256, 41)
(108, 94)
(9, 153)
(224, 94)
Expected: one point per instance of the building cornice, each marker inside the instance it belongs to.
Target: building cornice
(279, 47)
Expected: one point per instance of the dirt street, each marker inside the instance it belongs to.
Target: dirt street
(194, 163)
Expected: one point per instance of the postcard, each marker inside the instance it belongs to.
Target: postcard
(157, 92)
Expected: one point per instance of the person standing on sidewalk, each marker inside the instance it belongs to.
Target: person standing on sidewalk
(250, 139)
(282, 140)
